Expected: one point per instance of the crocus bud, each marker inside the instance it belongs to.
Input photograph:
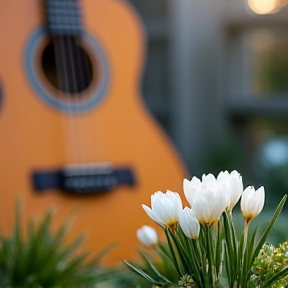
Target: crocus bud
(252, 202)
(189, 224)
(147, 235)
(165, 208)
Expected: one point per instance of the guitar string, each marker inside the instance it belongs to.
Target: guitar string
(101, 152)
(62, 77)
(76, 148)
(78, 153)
(86, 136)
(69, 151)
(86, 128)
(82, 133)
(73, 103)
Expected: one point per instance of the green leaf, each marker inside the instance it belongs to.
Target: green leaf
(219, 247)
(156, 270)
(165, 255)
(175, 262)
(231, 249)
(267, 230)
(143, 274)
(182, 253)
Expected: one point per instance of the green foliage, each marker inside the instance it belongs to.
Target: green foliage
(156, 270)
(240, 256)
(150, 264)
(270, 266)
(218, 258)
(44, 259)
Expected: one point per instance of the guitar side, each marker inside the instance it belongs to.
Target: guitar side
(119, 129)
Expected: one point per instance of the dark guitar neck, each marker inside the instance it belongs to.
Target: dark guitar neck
(71, 68)
(63, 18)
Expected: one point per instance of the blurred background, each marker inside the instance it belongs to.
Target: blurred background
(216, 78)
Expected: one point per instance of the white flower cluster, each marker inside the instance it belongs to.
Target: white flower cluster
(208, 199)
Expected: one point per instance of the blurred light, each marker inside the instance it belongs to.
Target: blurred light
(274, 153)
(264, 6)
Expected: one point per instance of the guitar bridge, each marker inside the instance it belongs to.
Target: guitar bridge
(84, 178)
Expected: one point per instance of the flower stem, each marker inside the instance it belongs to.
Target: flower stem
(245, 236)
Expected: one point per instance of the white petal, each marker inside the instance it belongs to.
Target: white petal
(188, 191)
(174, 197)
(260, 194)
(208, 181)
(218, 207)
(189, 223)
(245, 198)
(164, 209)
(196, 182)
(201, 209)
(151, 214)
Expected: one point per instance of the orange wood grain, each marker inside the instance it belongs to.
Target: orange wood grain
(120, 129)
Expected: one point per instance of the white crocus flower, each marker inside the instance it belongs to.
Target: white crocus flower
(208, 198)
(234, 184)
(165, 208)
(188, 223)
(147, 235)
(252, 202)
(209, 205)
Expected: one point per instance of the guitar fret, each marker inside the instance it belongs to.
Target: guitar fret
(62, 3)
(63, 17)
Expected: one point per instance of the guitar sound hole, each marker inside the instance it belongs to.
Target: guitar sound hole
(66, 65)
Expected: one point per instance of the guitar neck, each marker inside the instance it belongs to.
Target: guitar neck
(63, 18)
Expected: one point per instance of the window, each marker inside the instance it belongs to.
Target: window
(258, 94)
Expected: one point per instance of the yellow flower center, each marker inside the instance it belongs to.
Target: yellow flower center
(172, 225)
(204, 223)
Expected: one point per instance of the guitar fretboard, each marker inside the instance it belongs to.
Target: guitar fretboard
(63, 18)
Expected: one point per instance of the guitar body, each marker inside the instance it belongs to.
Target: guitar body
(35, 134)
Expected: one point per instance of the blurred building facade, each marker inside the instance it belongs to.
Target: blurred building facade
(216, 78)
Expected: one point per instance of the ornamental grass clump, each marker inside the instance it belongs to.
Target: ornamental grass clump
(202, 245)
(44, 259)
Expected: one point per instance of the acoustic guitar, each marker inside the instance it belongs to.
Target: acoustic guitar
(74, 132)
